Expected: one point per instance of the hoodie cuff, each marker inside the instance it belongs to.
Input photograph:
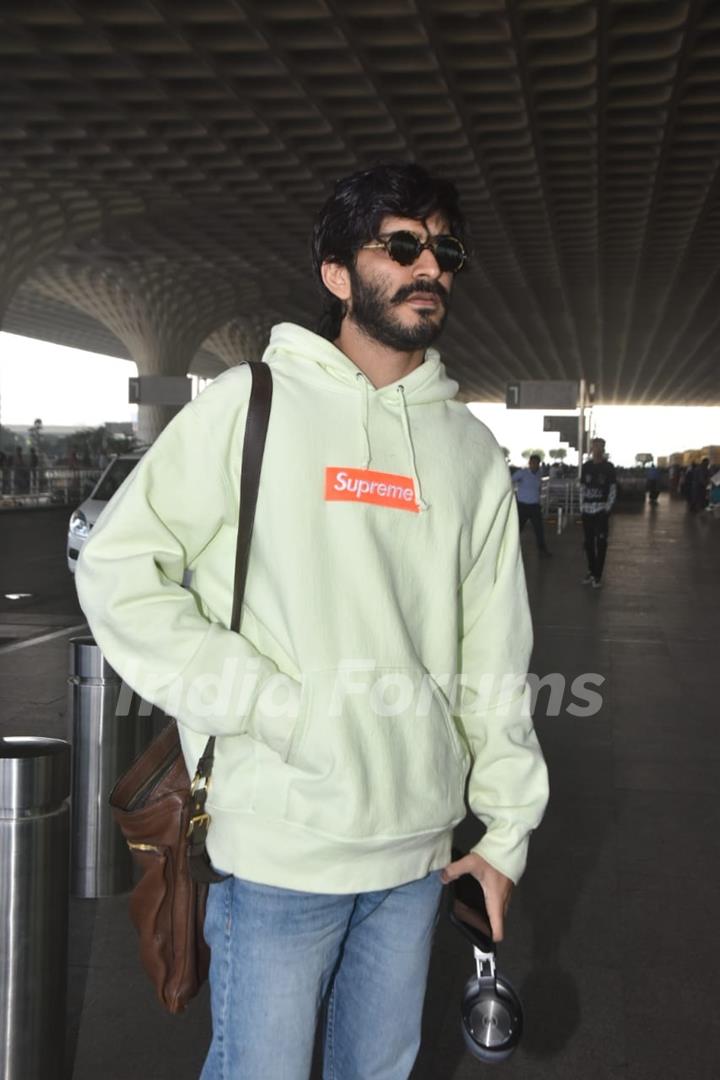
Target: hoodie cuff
(505, 847)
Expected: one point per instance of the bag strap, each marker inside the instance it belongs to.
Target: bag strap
(256, 426)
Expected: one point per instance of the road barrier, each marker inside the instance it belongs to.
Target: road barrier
(34, 856)
(104, 745)
(23, 486)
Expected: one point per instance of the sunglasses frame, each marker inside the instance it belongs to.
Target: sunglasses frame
(384, 240)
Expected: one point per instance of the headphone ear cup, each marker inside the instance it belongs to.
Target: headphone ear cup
(492, 1019)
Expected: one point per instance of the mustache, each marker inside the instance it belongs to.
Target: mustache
(432, 287)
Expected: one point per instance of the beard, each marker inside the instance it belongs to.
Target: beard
(372, 312)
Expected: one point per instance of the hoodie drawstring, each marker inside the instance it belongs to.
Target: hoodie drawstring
(405, 421)
(365, 418)
(422, 505)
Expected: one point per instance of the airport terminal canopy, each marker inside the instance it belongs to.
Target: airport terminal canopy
(161, 164)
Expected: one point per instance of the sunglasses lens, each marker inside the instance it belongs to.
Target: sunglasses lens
(404, 247)
(449, 254)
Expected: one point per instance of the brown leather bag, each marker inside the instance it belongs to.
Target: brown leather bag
(151, 804)
(162, 815)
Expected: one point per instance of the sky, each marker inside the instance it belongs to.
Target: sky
(67, 387)
(61, 386)
(628, 430)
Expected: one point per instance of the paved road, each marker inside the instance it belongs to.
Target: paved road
(32, 560)
(612, 935)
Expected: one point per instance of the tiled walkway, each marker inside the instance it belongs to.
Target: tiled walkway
(613, 936)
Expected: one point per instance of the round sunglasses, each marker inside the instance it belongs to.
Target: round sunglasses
(405, 247)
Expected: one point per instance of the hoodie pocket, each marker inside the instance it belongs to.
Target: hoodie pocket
(375, 753)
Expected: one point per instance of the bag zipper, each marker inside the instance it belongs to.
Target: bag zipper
(140, 796)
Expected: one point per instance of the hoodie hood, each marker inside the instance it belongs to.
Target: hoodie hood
(324, 363)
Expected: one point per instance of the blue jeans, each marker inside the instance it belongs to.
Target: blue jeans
(279, 955)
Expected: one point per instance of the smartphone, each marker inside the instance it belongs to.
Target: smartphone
(467, 911)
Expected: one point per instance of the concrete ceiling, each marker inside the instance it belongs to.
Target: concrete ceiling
(161, 163)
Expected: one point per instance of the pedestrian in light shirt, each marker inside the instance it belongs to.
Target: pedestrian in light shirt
(526, 483)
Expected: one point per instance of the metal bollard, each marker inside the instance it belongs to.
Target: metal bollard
(34, 857)
(106, 740)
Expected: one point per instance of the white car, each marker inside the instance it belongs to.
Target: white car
(87, 513)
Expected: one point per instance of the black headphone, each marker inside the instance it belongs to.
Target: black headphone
(491, 1011)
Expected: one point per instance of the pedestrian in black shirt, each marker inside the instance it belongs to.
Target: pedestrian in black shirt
(598, 490)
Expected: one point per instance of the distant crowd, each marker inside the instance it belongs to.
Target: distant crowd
(600, 483)
(698, 483)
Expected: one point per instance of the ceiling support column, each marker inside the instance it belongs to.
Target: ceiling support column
(160, 313)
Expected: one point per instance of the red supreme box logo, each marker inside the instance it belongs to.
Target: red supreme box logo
(364, 485)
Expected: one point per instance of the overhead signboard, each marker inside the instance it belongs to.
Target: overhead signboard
(567, 427)
(159, 390)
(543, 394)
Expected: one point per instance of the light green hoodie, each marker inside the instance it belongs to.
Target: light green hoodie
(343, 751)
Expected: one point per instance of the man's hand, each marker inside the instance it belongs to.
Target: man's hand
(496, 887)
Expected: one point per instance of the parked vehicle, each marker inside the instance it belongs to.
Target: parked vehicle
(83, 519)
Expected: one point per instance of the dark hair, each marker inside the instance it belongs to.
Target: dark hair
(352, 216)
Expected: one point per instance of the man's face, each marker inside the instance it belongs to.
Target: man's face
(401, 307)
(534, 464)
(597, 450)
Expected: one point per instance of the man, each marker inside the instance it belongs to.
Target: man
(526, 484)
(598, 491)
(699, 483)
(652, 484)
(378, 576)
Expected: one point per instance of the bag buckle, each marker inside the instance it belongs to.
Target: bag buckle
(197, 819)
(200, 782)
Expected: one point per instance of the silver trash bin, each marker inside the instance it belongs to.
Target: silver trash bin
(111, 726)
(34, 858)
